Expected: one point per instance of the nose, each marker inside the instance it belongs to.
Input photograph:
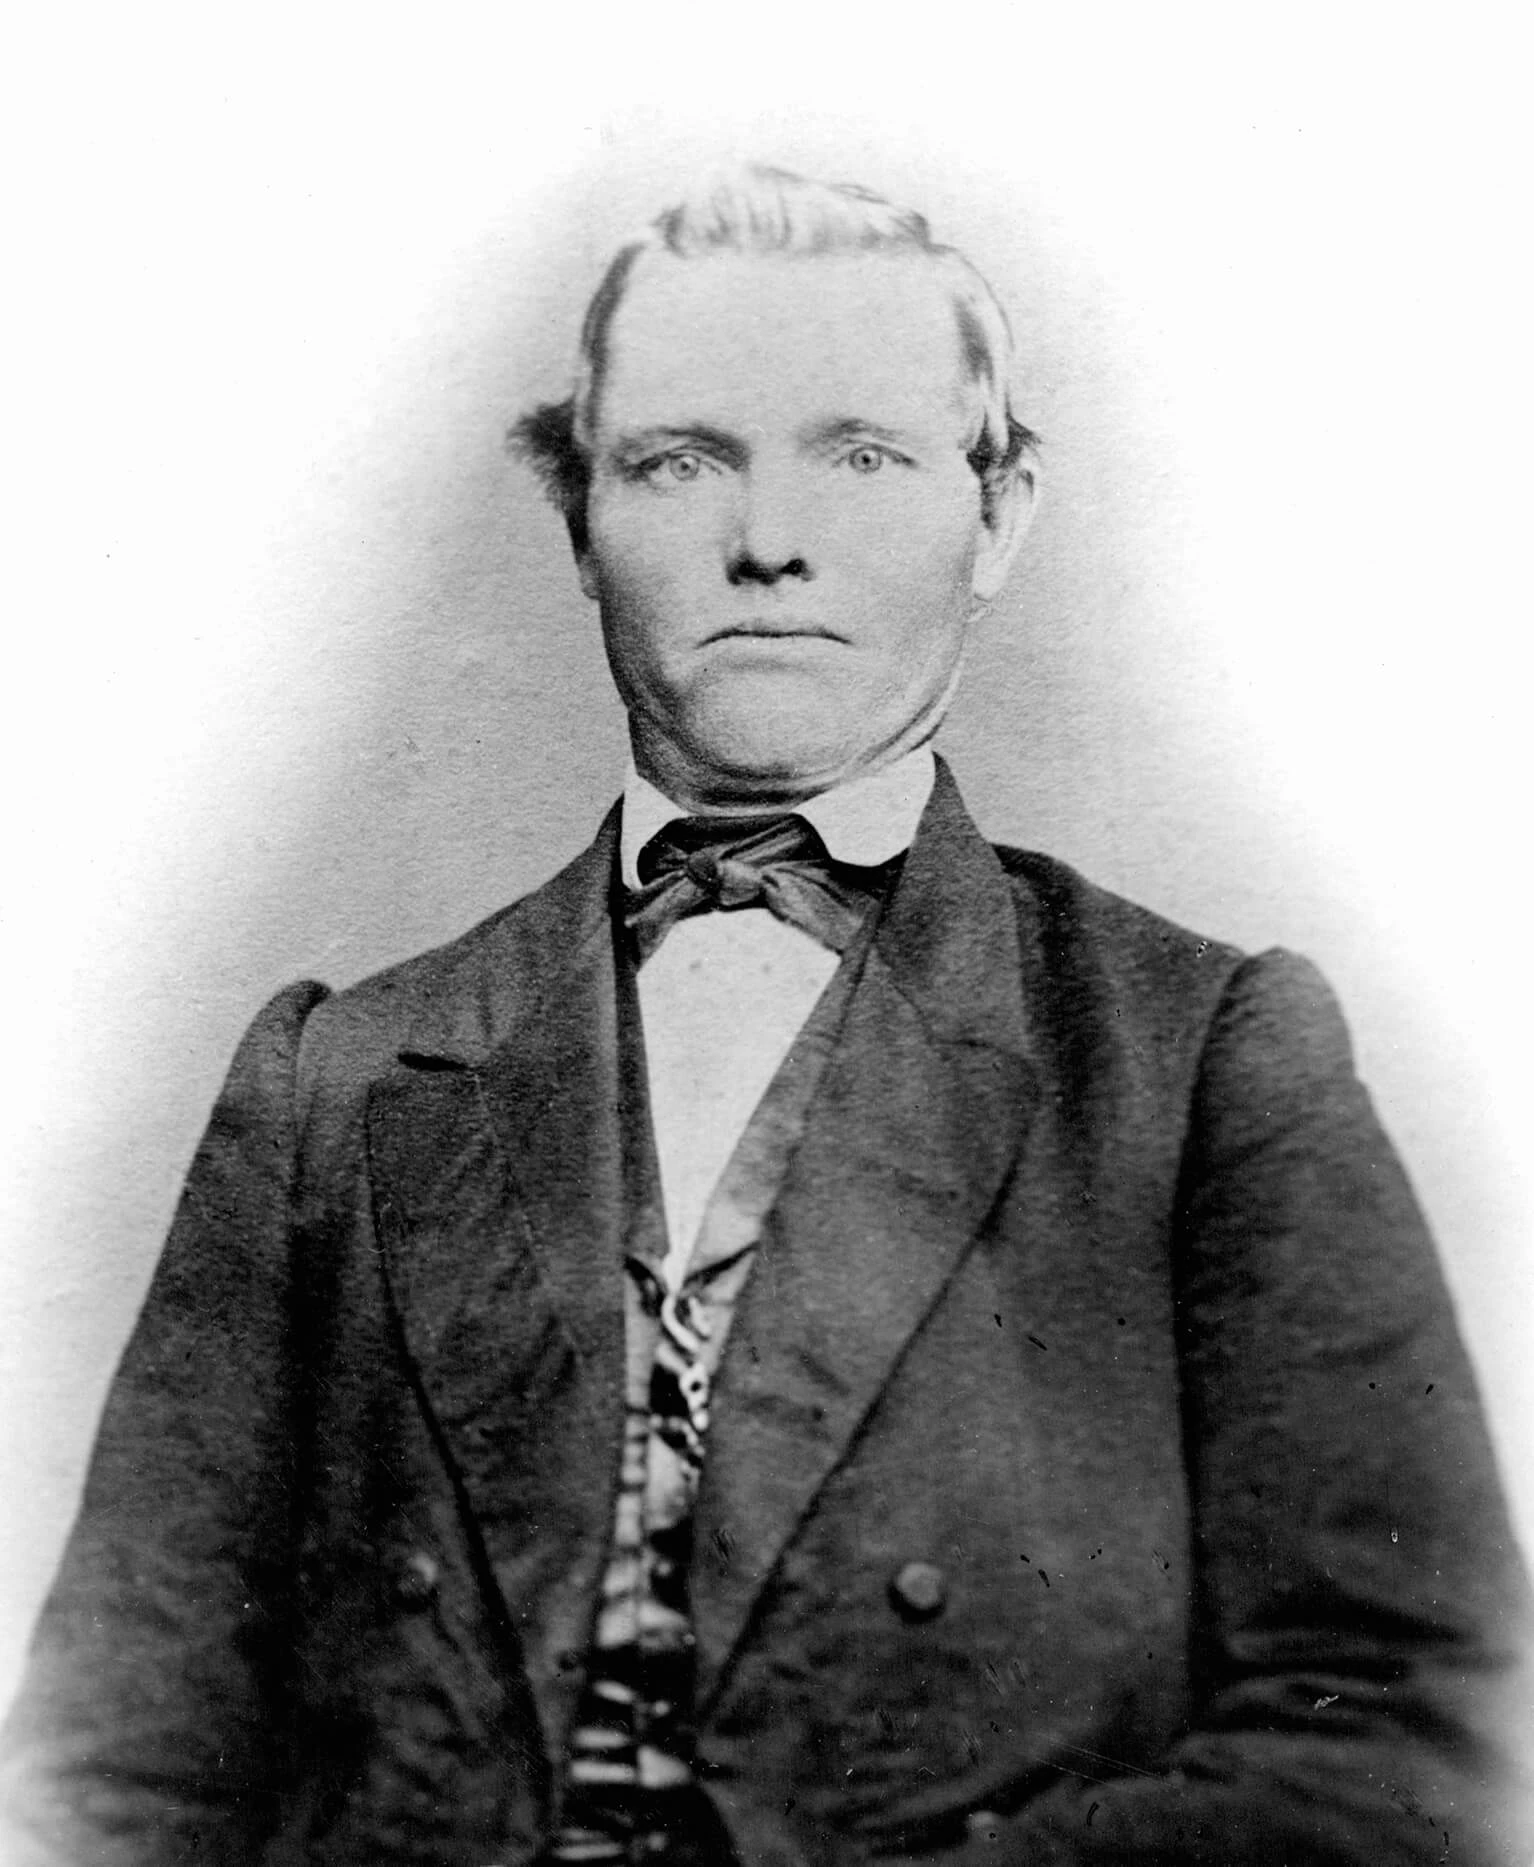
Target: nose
(771, 538)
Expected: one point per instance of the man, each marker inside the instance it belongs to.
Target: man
(811, 1338)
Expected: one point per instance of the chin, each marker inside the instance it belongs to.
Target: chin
(775, 751)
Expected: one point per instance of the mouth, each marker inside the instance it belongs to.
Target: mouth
(775, 629)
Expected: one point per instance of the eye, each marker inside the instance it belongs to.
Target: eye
(866, 459)
(680, 467)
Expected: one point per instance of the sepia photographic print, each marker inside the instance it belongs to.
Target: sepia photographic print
(770, 1109)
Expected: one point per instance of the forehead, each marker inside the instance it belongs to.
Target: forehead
(763, 341)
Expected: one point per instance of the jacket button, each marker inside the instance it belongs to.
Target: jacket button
(983, 1825)
(919, 1591)
(416, 1583)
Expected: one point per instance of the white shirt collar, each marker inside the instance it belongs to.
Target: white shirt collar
(868, 820)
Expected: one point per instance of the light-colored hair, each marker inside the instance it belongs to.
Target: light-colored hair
(769, 211)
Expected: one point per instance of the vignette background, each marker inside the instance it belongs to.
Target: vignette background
(301, 679)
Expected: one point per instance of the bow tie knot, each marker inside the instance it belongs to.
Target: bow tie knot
(697, 865)
(731, 882)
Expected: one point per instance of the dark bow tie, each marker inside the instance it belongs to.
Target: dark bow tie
(699, 864)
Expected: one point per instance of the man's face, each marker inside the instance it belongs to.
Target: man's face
(784, 533)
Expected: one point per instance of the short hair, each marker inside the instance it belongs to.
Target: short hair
(770, 211)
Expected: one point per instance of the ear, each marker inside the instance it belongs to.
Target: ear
(1004, 529)
(586, 570)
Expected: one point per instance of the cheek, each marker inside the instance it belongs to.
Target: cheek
(919, 539)
(648, 582)
(920, 579)
(643, 542)
(654, 594)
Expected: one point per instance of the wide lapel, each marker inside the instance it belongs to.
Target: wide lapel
(916, 1124)
(553, 1093)
(495, 1153)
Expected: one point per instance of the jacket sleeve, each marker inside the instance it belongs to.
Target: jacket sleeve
(1360, 1608)
(145, 1730)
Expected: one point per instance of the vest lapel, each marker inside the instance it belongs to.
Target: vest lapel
(918, 1119)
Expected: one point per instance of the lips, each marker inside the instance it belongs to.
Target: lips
(776, 628)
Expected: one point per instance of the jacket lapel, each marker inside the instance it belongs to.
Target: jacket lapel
(917, 1122)
(495, 1154)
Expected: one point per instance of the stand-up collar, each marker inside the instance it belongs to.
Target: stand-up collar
(866, 821)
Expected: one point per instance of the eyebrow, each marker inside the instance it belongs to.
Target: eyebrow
(699, 433)
(854, 427)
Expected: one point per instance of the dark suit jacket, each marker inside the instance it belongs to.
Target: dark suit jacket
(1094, 1286)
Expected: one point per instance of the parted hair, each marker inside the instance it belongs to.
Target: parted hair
(770, 211)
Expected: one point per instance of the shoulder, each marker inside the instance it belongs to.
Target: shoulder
(448, 1001)
(384, 1009)
(1070, 906)
(1088, 940)
(1095, 956)
(457, 1001)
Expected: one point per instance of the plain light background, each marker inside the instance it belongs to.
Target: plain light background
(300, 679)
